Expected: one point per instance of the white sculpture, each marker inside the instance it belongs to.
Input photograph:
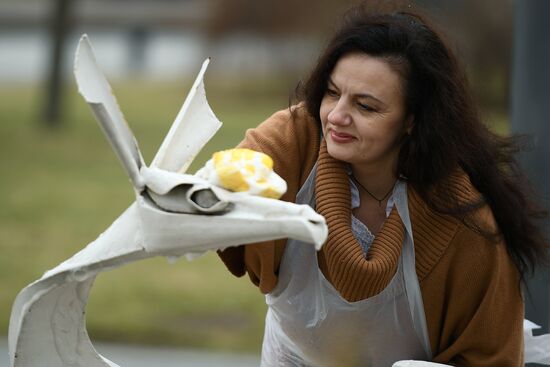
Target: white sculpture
(174, 214)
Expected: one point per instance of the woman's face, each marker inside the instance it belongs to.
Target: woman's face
(363, 112)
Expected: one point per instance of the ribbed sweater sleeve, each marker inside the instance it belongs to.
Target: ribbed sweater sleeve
(473, 304)
(292, 141)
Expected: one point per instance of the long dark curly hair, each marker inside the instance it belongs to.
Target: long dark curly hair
(448, 133)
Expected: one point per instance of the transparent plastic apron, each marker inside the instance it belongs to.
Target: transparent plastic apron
(308, 323)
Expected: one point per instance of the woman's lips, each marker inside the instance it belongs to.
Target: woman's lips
(341, 138)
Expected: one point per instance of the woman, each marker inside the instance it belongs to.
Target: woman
(430, 231)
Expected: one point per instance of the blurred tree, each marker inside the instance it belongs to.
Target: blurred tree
(137, 43)
(272, 17)
(481, 31)
(282, 37)
(59, 29)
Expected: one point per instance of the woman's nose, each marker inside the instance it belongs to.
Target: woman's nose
(339, 115)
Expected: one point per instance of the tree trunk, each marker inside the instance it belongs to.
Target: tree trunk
(59, 27)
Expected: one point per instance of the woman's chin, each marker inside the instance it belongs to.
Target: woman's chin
(339, 153)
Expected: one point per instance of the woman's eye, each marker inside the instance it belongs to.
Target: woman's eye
(366, 107)
(332, 93)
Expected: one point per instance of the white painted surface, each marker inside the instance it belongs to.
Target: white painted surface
(537, 348)
(194, 125)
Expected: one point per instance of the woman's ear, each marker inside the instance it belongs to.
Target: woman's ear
(409, 124)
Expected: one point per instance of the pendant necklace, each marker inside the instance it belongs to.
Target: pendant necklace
(371, 194)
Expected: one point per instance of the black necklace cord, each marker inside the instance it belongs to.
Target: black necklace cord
(370, 193)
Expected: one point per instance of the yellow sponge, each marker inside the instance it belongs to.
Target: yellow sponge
(244, 170)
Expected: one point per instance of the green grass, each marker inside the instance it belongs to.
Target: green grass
(60, 189)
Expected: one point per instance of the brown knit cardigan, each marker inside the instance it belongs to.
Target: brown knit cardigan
(469, 285)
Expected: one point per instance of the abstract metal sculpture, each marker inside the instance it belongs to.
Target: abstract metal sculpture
(174, 214)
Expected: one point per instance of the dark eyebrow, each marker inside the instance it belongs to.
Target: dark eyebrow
(331, 83)
(358, 95)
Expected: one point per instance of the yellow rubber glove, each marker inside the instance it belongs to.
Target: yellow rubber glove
(244, 170)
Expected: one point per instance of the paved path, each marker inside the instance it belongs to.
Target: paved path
(133, 356)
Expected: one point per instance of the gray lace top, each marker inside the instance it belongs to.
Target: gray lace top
(359, 229)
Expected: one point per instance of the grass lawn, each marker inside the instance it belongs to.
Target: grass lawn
(60, 189)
